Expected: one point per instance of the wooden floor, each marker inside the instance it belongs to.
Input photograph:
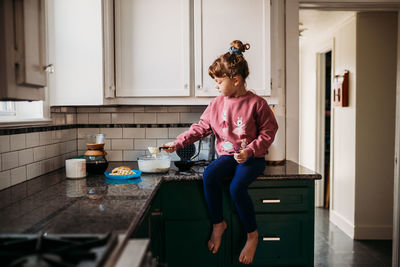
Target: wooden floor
(334, 248)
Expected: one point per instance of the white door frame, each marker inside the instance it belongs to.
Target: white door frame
(320, 121)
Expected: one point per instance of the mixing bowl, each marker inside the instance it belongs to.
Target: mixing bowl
(150, 164)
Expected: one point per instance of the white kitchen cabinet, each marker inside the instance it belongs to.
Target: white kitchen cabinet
(152, 48)
(219, 22)
(22, 50)
(155, 54)
(79, 49)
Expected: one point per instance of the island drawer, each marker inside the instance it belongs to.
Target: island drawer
(282, 240)
(280, 199)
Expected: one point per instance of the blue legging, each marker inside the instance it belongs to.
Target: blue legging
(243, 174)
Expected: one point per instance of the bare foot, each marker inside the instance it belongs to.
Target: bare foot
(215, 240)
(249, 249)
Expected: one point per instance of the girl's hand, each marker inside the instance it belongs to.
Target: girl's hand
(241, 157)
(171, 147)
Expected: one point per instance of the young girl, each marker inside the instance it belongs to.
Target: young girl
(244, 127)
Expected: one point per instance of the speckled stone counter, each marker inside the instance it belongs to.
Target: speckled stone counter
(55, 204)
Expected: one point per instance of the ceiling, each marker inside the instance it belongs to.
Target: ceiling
(316, 22)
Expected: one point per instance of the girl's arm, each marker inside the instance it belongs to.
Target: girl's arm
(267, 127)
(197, 130)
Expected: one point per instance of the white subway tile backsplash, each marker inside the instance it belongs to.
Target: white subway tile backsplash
(88, 109)
(32, 140)
(161, 142)
(82, 132)
(45, 138)
(109, 109)
(71, 146)
(57, 136)
(68, 109)
(9, 160)
(122, 118)
(115, 155)
(121, 144)
(47, 166)
(129, 155)
(4, 143)
(112, 132)
(82, 144)
(62, 147)
(174, 132)
(58, 118)
(70, 118)
(155, 109)
(189, 117)
(167, 117)
(52, 150)
(33, 170)
(179, 109)
(131, 109)
(18, 175)
(197, 109)
(17, 142)
(58, 162)
(133, 132)
(82, 118)
(143, 144)
(99, 118)
(25, 156)
(107, 144)
(5, 179)
(145, 118)
(156, 133)
(39, 153)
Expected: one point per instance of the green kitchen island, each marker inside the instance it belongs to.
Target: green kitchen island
(178, 225)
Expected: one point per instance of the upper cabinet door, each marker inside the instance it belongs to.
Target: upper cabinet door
(216, 24)
(76, 50)
(152, 46)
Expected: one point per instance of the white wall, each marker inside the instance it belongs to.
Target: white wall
(375, 123)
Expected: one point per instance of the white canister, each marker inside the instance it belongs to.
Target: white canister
(75, 168)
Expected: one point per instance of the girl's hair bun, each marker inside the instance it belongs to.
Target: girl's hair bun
(239, 45)
(231, 63)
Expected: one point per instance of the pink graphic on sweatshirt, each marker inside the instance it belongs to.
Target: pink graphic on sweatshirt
(240, 129)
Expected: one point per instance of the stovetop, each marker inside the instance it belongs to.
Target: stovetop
(55, 249)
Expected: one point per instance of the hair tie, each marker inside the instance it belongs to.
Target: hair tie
(233, 50)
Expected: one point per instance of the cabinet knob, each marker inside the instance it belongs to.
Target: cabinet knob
(49, 68)
(186, 86)
(199, 87)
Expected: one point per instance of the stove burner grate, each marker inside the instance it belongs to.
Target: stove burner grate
(55, 250)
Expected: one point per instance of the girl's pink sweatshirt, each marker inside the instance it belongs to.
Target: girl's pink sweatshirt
(244, 122)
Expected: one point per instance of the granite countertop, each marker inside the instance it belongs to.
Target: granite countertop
(54, 204)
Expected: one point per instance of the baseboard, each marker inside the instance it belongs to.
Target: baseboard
(373, 232)
(345, 225)
(361, 232)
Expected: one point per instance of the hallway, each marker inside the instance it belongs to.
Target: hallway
(334, 248)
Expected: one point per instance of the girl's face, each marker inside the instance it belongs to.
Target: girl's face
(226, 86)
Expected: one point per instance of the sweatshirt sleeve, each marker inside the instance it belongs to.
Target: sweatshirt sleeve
(197, 130)
(267, 128)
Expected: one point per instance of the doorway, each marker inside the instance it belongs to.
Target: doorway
(327, 136)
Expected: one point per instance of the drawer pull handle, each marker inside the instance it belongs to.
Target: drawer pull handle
(271, 239)
(267, 201)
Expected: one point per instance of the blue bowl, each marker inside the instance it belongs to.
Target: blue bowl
(123, 177)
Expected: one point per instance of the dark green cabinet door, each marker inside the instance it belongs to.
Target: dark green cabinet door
(284, 240)
(186, 244)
